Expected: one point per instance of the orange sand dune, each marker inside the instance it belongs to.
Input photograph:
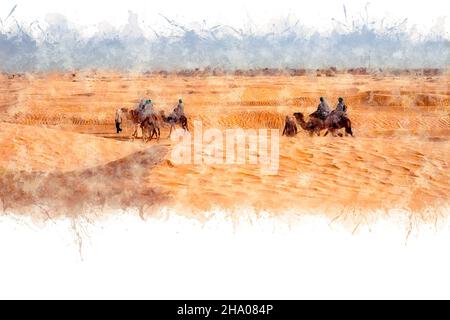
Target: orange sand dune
(32, 148)
(61, 126)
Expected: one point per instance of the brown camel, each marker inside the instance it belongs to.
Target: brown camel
(332, 123)
(150, 127)
(150, 124)
(174, 119)
(290, 128)
(338, 120)
(313, 125)
(134, 117)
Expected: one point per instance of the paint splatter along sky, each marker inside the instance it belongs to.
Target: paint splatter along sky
(141, 36)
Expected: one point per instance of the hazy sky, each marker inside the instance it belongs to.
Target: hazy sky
(104, 34)
(316, 14)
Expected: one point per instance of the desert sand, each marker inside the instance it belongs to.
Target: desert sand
(60, 154)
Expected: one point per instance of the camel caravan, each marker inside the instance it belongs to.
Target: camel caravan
(145, 117)
(321, 119)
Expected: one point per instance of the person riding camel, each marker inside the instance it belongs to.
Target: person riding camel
(148, 106)
(144, 105)
(141, 105)
(341, 105)
(339, 112)
(179, 109)
(145, 108)
(323, 110)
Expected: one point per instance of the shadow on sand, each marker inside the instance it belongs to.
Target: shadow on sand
(119, 184)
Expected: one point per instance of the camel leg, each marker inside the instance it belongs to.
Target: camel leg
(136, 130)
(170, 132)
(326, 133)
(134, 135)
(348, 131)
(348, 127)
(146, 135)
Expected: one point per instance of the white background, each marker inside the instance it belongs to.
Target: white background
(307, 257)
(290, 257)
(316, 14)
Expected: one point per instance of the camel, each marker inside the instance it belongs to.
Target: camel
(145, 122)
(135, 118)
(338, 120)
(174, 119)
(312, 126)
(290, 128)
(151, 123)
(150, 127)
(332, 123)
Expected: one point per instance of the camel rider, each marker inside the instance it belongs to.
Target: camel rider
(145, 108)
(144, 104)
(148, 106)
(179, 109)
(141, 105)
(341, 105)
(323, 110)
(339, 111)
